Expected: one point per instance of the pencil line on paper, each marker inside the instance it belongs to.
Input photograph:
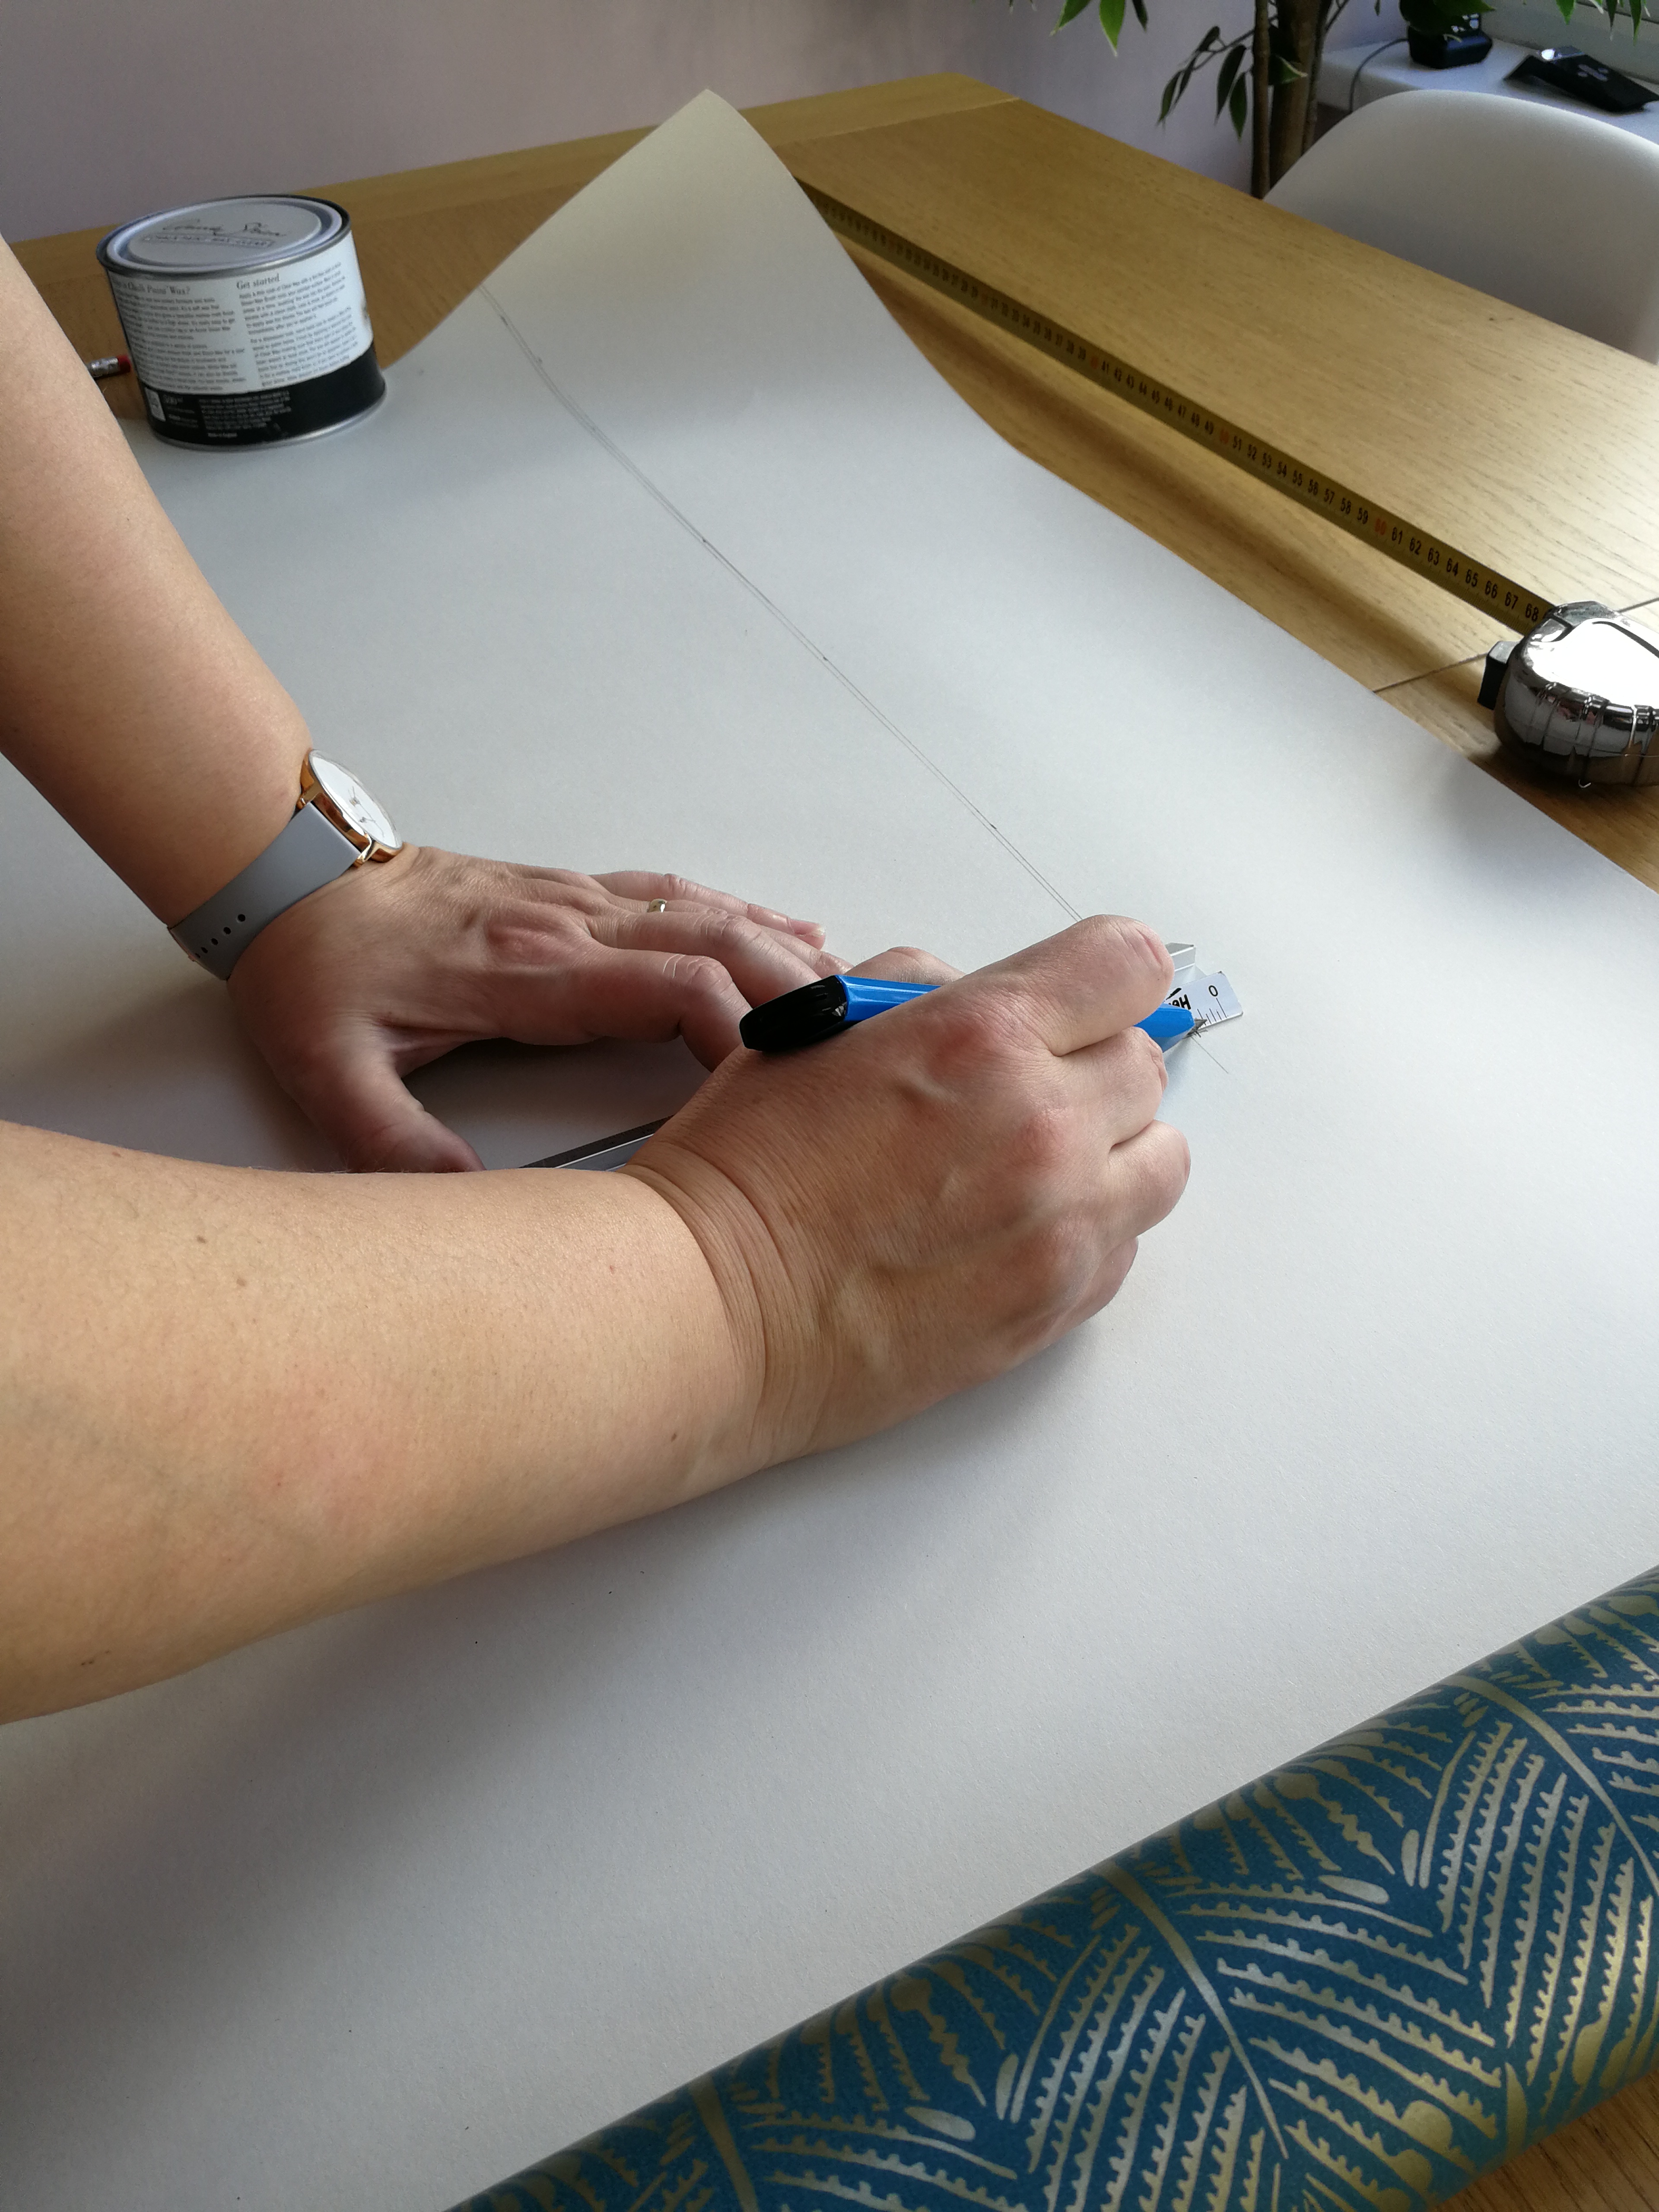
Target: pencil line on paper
(580, 414)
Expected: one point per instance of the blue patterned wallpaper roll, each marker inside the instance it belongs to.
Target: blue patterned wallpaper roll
(1350, 1987)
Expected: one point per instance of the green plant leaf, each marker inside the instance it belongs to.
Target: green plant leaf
(1069, 12)
(1227, 73)
(1565, 6)
(1209, 48)
(1111, 21)
(1140, 12)
(1240, 105)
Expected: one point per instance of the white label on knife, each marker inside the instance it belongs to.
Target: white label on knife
(1207, 999)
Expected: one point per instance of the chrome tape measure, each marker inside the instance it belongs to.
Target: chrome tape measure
(1580, 694)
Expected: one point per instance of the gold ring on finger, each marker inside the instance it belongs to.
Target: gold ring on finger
(656, 906)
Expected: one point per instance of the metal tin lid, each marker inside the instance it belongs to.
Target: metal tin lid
(221, 238)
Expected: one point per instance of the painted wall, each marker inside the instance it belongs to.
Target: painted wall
(107, 110)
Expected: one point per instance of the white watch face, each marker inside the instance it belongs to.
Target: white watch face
(365, 814)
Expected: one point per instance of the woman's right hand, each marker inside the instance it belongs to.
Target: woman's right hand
(933, 1196)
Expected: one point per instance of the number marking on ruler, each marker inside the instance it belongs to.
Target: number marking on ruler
(1419, 550)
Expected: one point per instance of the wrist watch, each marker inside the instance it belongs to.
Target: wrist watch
(335, 826)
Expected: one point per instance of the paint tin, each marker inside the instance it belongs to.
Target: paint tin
(246, 319)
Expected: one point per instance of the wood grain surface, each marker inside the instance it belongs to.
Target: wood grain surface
(1379, 622)
(1425, 395)
(1535, 449)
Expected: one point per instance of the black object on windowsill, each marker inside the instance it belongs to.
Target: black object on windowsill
(1566, 71)
(1464, 43)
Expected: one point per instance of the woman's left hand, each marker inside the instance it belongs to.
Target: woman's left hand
(401, 960)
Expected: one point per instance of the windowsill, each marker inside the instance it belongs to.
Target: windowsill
(1354, 77)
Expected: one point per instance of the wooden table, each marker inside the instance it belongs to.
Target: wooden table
(1437, 401)
(1526, 443)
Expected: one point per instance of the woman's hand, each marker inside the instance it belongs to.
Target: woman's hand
(937, 1193)
(821, 1243)
(401, 960)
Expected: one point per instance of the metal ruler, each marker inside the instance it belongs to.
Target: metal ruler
(1514, 604)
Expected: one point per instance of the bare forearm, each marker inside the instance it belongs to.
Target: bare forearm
(128, 697)
(231, 1401)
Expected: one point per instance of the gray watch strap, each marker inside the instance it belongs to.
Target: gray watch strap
(306, 854)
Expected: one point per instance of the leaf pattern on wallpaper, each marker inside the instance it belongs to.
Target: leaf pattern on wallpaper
(1350, 1987)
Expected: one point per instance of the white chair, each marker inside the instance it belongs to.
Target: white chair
(1553, 211)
